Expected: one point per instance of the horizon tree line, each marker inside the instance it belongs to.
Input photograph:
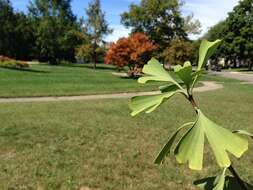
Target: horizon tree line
(51, 32)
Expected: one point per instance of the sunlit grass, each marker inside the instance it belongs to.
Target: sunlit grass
(65, 145)
(46, 80)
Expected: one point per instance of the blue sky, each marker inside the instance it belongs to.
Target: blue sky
(208, 12)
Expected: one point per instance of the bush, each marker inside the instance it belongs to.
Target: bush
(178, 52)
(85, 53)
(12, 63)
(133, 52)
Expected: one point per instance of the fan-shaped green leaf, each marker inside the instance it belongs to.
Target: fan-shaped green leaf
(156, 72)
(167, 147)
(220, 181)
(139, 104)
(185, 73)
(206, 50)
(190, 148)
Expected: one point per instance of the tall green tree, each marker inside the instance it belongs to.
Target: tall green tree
(56, 30)
(7, 21)
(15, 30)
(239, 32)
(97, 28)
(236, 31)
(161, 20)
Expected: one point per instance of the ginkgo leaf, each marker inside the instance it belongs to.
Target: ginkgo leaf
(156, 72)
(185, 73)
(206, 50)
(191, 146)
(243, 132)
(219, 182)
(166, 150)
(168, 88)
(230, 183)
(139, 104)
(214, 183)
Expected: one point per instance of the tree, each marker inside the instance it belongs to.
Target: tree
(85, 51)
(52, 8)
(133, 52)
(161, 20)
(56, 30)
(96, 27)
(236, 31)
(239, 31)
(15, 30)
(178, 52)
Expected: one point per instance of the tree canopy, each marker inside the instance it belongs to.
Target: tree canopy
(236, 31)
(49, 32)
(178, 52)
(15, 30)
(161, 20)
(56, 30)
(133, 52)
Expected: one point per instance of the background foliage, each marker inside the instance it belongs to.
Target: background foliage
(133, 52)
(236, 31)
(178, 52)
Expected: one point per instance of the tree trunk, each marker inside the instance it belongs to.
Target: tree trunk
(94, 56)
(95, 61)
(250, 65)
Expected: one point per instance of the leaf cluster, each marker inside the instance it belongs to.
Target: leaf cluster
(190, 146)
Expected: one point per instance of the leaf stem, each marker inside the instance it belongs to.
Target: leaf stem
(193, 103)
(237, 177)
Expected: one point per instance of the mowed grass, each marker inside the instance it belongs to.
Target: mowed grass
(76, 79)
(66, 145)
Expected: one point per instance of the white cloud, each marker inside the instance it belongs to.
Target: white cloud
(208, 12)
(119, 31)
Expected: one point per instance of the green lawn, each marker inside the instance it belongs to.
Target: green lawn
(65, 145)
(46, 80)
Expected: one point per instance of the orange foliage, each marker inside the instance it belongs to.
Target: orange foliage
(133, 51)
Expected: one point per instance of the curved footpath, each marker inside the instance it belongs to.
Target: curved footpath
(207, 86)
(246, 78)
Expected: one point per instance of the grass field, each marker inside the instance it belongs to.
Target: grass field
(97, 144)
(45, 80)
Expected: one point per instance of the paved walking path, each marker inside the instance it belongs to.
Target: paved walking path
(207, 86)
(247, 78)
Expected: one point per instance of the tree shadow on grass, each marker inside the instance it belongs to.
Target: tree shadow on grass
(26, 70)
(100, 67)
(89, 66)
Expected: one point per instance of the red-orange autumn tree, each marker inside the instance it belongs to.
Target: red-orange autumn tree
(133, 51)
